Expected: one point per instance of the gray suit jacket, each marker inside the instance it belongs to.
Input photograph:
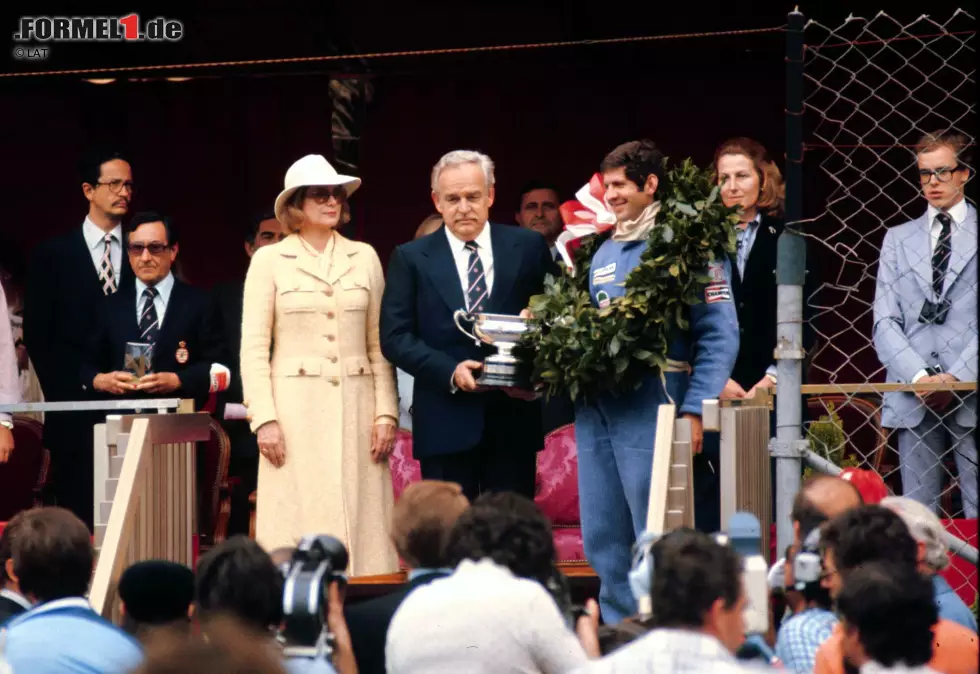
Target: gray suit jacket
(905, 345)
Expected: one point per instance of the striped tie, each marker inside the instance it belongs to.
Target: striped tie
(476, 280)
(149, 323)
(107, 275)
(940, 256)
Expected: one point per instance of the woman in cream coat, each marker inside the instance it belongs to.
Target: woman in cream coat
(321, 397)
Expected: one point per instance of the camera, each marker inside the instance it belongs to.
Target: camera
(317, 562)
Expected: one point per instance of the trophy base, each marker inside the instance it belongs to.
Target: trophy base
(503, 375)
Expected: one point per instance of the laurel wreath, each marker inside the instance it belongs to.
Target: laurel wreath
(581, 350)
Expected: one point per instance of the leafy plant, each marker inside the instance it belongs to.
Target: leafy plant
(827, 438)
(976, 605)
(582, 350)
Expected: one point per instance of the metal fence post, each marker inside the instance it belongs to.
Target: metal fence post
(790, 273)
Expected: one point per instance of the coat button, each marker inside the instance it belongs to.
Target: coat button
(335, 382)
(302, 371)
(328, 292)
(330, 338)
(361, 370)
(330, 314)
(333, 359)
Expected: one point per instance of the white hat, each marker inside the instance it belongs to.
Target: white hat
(313, 169)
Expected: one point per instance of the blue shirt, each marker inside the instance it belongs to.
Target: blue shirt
(950, 606)
(709, 345)
(801, 636)
(309, 666)
(66, 636)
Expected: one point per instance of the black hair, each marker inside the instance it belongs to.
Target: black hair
(639, 159)
(508, 529)
(870, 533)
(690, 572)
(144, 217)
(237, 577)
(532, 185)
(893, 609)
(90, 168)
(252, 230)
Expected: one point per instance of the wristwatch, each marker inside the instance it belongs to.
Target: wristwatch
(933, 370)
(9, 425)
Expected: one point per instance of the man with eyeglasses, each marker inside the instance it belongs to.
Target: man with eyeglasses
(925, 325)
(225, 324)
(159, 310)
(69, 277)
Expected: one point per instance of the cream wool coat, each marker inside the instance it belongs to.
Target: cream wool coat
(326, 383)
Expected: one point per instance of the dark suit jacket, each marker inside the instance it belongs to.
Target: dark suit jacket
(8, 609)
(756, 304)
(418, 335)
(184, 321)
(225, 327)
(63, 288)
(368, 623)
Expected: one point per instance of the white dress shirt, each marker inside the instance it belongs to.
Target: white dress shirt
(462, 257)
(164, 288)
(958, 215)
(9, 376)
(95, 240)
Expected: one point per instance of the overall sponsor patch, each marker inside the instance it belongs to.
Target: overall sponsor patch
(608, 270)
(716, 270)
(602, 297)
(599, 280)
(182, 355)
(717, 292)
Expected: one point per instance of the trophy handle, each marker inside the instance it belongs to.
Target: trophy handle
(457, 315)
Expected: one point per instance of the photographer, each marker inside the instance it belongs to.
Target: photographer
(238, 578)
(698, 604)
(494, 612)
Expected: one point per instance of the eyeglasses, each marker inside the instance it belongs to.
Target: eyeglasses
(155, 248)
(943, 174)
(323, 194)
(115, 186)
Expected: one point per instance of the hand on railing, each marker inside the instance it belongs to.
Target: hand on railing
(271, 443)
(697, 432)
(732, 390)
(937, 400)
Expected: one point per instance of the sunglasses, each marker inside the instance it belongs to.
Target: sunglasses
(155, 248)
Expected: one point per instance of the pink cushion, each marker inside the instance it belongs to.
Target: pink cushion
(404, 468)
(556, 482)
(960, 574)
(568, 544)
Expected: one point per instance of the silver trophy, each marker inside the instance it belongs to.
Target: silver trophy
(503, 369)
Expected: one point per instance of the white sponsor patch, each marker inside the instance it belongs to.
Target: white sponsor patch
(717, 272)
(600, 280)
(717, 292)
(604, 271)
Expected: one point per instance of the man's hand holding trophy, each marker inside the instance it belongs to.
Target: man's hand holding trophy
(503, 370)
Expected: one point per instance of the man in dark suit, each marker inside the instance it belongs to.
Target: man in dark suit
(69, 277)
(484, 440)
(12, 602)
(537, 210)
(422, 521)
(225, 326)
(161, 311)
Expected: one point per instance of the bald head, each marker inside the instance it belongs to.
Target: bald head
(820, 499)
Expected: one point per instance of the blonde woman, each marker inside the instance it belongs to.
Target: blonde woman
(321, 397)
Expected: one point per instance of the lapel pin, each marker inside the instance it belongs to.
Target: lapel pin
(772, 230)
(182, 354)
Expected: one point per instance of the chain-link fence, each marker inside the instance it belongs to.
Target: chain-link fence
(890, 379)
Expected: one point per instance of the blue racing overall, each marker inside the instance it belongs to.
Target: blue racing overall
(615, 434)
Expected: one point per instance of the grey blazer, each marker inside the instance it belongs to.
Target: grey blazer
(905, 345)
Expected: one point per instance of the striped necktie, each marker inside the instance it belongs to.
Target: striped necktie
(940, 256)
(107, 275)
(476, 280)
(149, 322)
